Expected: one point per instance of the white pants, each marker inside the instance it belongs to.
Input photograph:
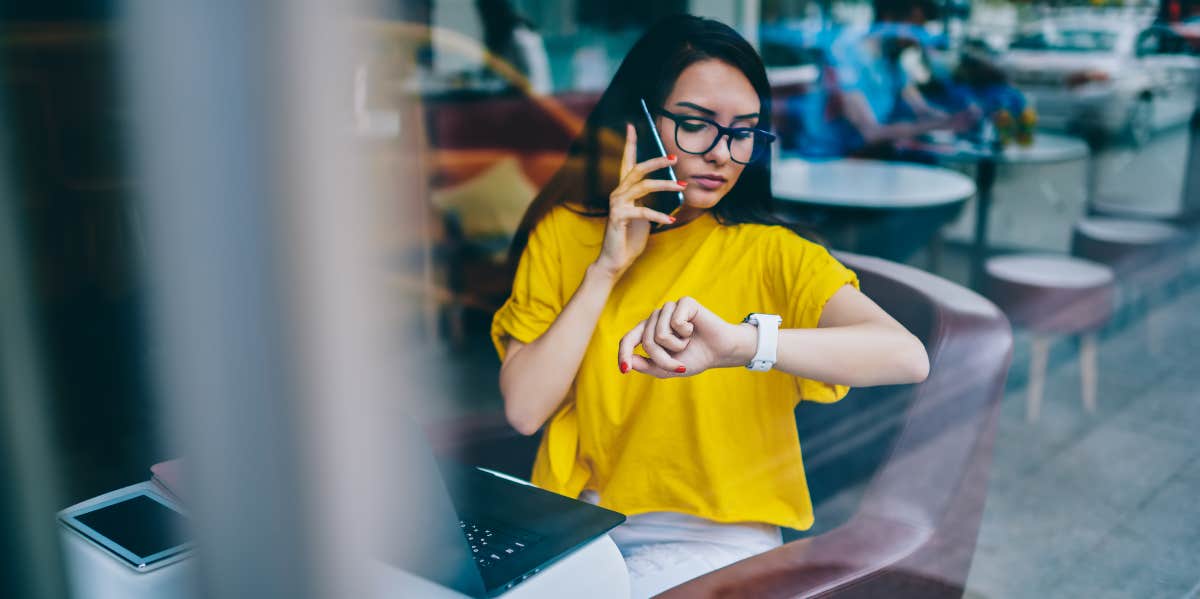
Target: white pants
(665, 549)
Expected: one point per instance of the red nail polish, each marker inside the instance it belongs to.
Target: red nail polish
(681, 370)
(672, 219)
(670, 157)
(682, 183)
(624, 368)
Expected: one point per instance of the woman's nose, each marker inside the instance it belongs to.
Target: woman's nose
(719, 154)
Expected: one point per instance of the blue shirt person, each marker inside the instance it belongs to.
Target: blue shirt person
(865, 100)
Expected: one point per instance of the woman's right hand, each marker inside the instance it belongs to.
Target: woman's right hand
(628, 226)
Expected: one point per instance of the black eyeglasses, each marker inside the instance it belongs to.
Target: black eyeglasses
(698, 135)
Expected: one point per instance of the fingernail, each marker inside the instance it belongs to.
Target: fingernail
(681, 370)
(624, 368)
(671, 157)
(672, 219)
(682, 183)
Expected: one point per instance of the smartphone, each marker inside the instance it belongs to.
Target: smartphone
(143, 529)
(667, 202)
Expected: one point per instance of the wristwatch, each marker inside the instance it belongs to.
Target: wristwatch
(768, 340)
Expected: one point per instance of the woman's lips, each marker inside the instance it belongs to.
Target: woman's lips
(709, 183)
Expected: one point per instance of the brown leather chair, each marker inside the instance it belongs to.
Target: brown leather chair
(913, 531)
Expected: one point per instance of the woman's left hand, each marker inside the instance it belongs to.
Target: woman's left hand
(684, 338)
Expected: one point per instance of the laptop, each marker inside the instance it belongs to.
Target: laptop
(473, 531)
(513, 530)
(481, 534)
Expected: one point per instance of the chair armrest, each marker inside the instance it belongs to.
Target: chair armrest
(849, 555)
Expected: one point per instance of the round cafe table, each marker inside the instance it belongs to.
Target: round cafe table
(852, 192)
(1047, 148)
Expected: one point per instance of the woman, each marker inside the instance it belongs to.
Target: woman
(700, 451)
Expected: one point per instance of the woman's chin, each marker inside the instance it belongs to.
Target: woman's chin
(701, 199)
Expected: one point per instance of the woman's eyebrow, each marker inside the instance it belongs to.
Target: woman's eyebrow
(711, 112)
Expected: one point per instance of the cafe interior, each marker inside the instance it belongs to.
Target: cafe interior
(254, 257)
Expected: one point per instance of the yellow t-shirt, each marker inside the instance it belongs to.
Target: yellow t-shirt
(720, 445)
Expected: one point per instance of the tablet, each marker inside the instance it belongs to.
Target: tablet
(141, 528)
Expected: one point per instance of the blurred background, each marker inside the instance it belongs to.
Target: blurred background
(217, 164)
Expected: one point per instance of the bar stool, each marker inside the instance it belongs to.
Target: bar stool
(1123, 244)
(1136, 250)
(1053, 295)
(1119, 207)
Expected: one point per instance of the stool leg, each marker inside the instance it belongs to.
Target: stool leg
(1154, 332)
(1087, 371)
(1038, 353)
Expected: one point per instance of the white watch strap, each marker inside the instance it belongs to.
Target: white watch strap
(768, 340)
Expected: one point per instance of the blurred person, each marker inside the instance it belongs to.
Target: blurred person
(626, 342)
(865, 101)
(978, 81)
(513, 38)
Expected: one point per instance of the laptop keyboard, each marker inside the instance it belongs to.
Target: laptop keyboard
(492, 543)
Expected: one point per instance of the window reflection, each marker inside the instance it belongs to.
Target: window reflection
(1044, 157)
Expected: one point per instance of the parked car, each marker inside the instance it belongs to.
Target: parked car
(1189, 30)
(1105, 76)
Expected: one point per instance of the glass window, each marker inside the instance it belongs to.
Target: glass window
(273, 240)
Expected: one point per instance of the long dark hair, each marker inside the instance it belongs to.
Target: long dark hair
(649, 71)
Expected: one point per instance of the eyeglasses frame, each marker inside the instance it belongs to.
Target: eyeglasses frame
(722, 131)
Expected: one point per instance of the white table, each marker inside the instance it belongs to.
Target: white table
(886, 209)
(596, 570)
(1047, 148)
(867, 184)
(802, 75)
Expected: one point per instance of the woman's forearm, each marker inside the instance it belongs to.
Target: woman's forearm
(859, 355)
(536, 377)
(858, 112)
(912, 96)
